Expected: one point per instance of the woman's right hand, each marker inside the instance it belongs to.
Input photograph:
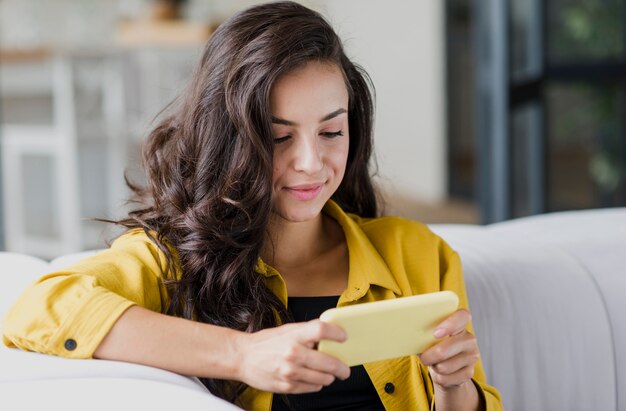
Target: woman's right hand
(285, 359)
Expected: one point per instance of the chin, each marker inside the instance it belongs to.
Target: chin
(299, 213)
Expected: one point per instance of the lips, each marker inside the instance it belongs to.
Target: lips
(305, 192)
(312, 186)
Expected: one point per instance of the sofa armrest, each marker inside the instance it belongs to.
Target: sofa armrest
(109, 393)
(34, 379)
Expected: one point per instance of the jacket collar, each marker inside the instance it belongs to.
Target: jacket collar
(367, 267)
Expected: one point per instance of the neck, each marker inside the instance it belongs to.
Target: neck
(292, 244)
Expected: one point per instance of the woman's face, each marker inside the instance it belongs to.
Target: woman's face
(310, 125)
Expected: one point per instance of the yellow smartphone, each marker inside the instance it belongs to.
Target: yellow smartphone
(386, 329)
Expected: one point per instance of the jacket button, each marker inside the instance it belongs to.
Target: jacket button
(70, 344)
(390, 388)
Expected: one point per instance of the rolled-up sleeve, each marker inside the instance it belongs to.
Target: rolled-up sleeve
(68, 313)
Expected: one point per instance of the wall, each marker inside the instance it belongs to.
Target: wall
(399, 42)
(401, 45)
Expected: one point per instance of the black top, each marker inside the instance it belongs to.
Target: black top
(355, 393)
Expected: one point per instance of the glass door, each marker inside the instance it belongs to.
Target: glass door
(548, 105)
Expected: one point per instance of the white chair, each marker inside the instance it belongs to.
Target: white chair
(55, 174)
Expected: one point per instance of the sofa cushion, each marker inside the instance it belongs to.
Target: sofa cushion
(546, 298)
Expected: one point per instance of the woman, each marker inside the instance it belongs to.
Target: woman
(259, 213)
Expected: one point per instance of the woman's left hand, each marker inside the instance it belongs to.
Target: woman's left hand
(451, 361)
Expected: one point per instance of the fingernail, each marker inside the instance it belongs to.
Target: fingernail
(439, 333)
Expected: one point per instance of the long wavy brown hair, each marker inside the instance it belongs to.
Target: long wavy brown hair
(208, 196)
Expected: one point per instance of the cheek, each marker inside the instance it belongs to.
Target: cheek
(336, 162)
(341, 158)
(276, 170)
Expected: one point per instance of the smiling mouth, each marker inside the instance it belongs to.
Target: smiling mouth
(305, 192)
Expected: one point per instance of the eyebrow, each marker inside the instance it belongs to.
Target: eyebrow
(276, 120)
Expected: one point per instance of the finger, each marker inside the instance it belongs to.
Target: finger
(458, 378)
(296, 387)
(455, 364)
(307, 376)
(450, 347)
(302, 356)
(328, 364)
(313, 331)
(454, 324)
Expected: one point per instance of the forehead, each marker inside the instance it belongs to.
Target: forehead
(315, 87)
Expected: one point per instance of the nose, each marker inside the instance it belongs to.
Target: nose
(307, 156)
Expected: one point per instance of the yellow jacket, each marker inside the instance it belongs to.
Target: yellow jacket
(389, 257)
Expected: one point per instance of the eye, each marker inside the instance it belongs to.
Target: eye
(333, 134)
(280, 140)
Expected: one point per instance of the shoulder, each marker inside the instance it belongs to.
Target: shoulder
(138, 246)
(418, 259)
(133, 239)
(398, 230)
(408, 243)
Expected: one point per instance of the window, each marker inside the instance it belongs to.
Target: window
(537, 110)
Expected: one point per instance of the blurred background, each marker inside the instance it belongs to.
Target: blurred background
(487, 110)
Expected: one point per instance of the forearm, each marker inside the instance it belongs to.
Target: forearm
(460, 398)
(186, 347)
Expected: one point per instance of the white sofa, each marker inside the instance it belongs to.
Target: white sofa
(547, 294)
